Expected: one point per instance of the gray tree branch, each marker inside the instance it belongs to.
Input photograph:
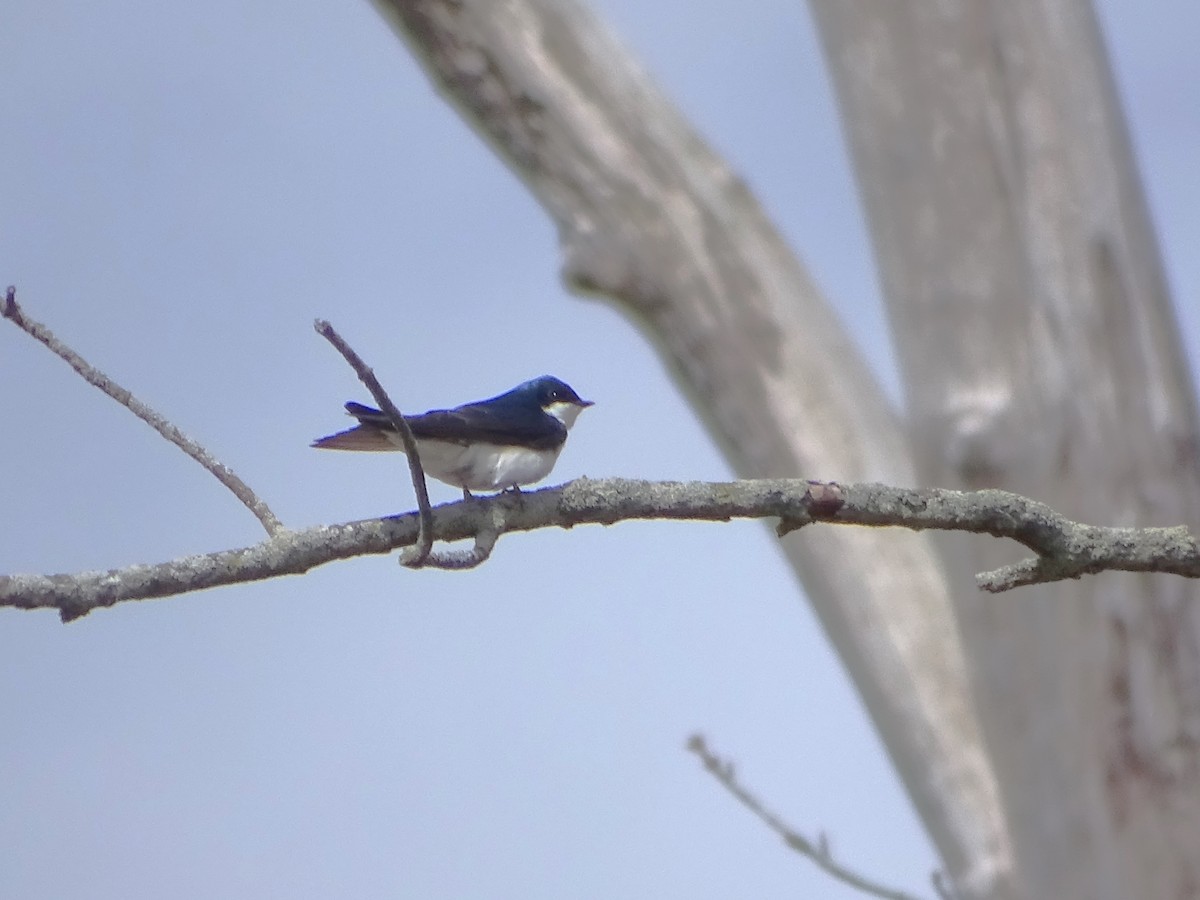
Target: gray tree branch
(1064, 549)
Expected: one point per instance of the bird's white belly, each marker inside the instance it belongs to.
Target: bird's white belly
(485, 467)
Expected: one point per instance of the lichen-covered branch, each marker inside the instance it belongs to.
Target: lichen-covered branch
(1065, 549)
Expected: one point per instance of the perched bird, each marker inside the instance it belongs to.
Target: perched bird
(495, 444)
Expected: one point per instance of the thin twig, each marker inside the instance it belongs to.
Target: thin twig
(413, 557)
(13, 312)
(817, 851)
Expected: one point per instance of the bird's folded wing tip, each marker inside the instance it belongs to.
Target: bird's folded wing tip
(358, 438)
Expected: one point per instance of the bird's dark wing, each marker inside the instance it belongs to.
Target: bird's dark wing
(485, 422)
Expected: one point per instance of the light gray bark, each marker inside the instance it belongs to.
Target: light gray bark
(1040, 354)
(1064, 549)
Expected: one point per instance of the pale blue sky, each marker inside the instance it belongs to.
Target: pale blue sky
(183, 188)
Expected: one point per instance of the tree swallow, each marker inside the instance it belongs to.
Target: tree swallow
(495, 444)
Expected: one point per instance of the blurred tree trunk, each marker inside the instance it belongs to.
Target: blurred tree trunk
(1036, 338)
(1040, 354)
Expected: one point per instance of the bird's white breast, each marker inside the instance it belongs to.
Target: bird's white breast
(485, 467)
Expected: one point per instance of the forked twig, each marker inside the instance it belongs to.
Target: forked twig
(13, 312)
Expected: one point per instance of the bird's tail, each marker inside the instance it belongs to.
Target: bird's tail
(361, 437)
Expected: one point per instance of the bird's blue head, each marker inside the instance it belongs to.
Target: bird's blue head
(556, 397)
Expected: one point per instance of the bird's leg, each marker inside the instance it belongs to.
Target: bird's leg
(467, 495)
